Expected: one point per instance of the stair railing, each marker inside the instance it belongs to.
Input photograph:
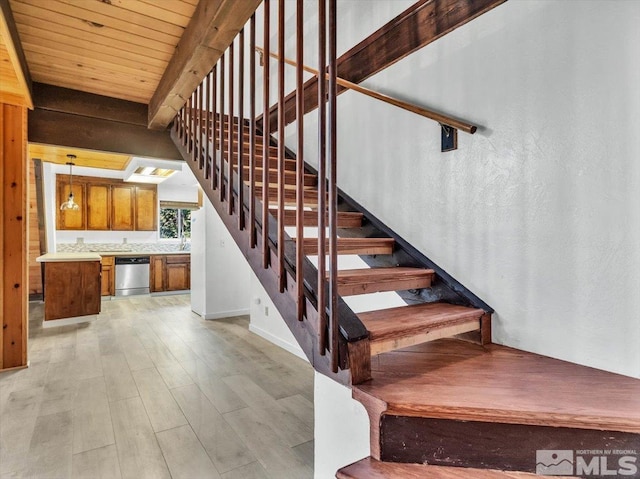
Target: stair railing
(199, 131)
(442, 119)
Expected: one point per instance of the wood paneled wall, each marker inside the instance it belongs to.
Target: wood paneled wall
(35, 272)
(13, 236)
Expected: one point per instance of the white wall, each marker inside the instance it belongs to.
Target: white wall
(538, 213)
(341, 433)
(219, 272)
(267, 322)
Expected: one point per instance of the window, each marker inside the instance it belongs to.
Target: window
(175, 223)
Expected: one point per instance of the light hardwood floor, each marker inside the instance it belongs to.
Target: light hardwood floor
(152, 390)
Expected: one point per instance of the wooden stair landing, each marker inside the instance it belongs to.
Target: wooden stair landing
(404, 326)
(453, 379)
(369, 468)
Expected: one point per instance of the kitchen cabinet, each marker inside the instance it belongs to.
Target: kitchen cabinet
(71, 219)
(178, 272)
(108, 276)
(108, 204)
(71, 285)
(122, 212)
(98, 207)
(146, 207)
(170, 272)
(156, 273)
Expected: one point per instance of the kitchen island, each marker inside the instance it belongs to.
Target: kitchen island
(71, 287)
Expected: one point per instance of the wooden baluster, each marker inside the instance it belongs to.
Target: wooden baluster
(207, 124)
(181, 123)
(333, 190)
(192, 122)
(281, 148)
(240, 207)
(186, 126)
(197, 139)
(207, 163)
(300, 159)
(322, 175)
(229, 193)
(266, 258)
(214, 129)
(201, 157)
(221, 124)
(252, 132)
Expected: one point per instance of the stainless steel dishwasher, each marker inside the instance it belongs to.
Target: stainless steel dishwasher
(132, 275)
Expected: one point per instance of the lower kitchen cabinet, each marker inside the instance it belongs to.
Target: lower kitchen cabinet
(108, 276)
(71, 289)
(178, 272)
(156, 273)
(170, 272)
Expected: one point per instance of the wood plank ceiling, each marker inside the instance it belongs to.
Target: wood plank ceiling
(117, 48)
(93, 159)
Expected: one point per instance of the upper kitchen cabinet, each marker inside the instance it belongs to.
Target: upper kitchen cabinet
(109, 204)
(146, 217)
(122, 212)
(71, 219)
(98, 207)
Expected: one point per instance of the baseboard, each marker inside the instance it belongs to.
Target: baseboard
(225, 314)
(292, 348)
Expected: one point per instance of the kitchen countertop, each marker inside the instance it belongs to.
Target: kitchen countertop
(52, 257)
(123, 249)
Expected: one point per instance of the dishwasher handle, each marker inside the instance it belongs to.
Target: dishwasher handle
(132, 260)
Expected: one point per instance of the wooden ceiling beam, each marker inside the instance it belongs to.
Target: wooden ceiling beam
(66, 100)
(211, 29)
(9, 34)
(78, 119)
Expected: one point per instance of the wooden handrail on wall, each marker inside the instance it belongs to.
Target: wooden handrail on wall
(432, 115)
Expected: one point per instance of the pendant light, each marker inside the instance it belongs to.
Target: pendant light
(70, 204)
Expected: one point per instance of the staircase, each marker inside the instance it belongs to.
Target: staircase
(442, 400)
(394, 268)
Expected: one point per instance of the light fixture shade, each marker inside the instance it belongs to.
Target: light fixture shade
(70, 204)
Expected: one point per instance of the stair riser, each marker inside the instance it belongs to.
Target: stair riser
(310, 218)
(312, 250)
(491, 445)
(381, 286)
(378, 347)
(289, 178)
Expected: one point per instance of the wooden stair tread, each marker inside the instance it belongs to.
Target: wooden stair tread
(374, 280)
(353, 246)
(455, 379)
(370, 468)
(392, 323)
(346, 219)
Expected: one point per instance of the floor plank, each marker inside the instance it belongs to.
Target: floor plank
(138, 451)
(101, 463)
(185, 455)
(221, 442)
(162, 409)
(276, 457)
(118, 378)
(92, 427)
